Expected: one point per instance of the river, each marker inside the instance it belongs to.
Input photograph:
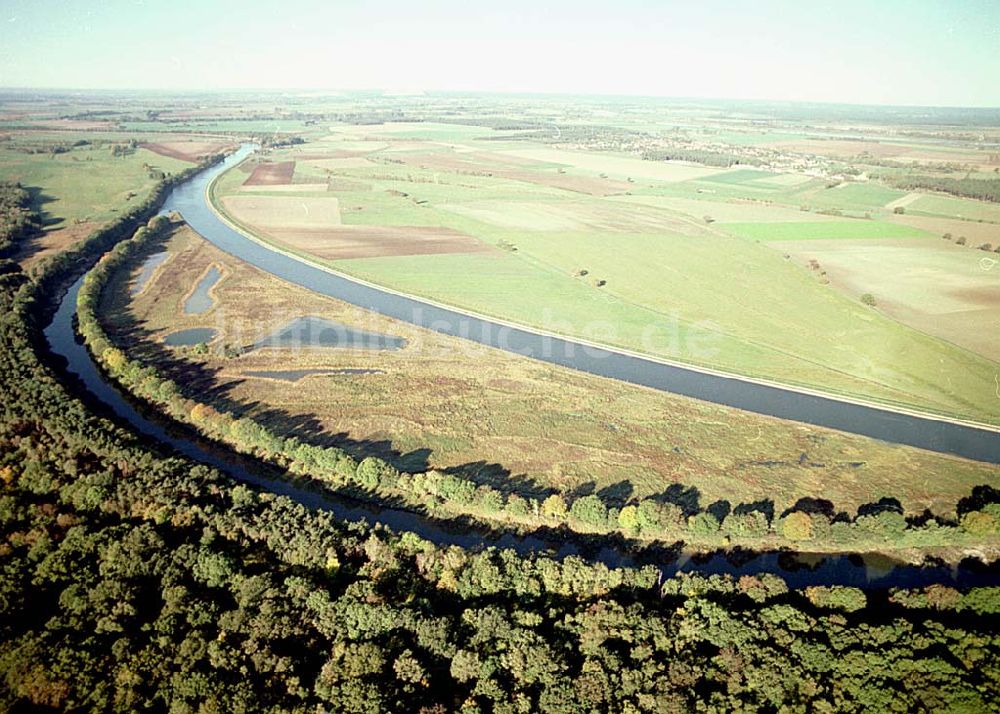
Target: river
(981, 444)
(797, 569)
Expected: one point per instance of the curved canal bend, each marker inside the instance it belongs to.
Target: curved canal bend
(926, 432)
(797, 570)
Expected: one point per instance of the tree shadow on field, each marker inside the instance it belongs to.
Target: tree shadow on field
(39, 200)
(616, 494)
(808, 504)
(720, 509)
(886, 503)
(586, 488)
(485, 473)
(688, 498)
(27, 244)
(765, 506)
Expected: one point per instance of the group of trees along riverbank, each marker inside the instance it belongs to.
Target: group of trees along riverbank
(878, 526)
(134, 579)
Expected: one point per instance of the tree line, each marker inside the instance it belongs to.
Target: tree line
(18, 220)
(982, 189)
(451, 494)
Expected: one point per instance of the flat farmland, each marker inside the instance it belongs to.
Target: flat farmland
(271, 173)
(934, 286)
(680, 268)
(951, 207)
(377, 241)
(279, 212)
(617, 166)
(522, 425)
(731, 210)
(190, 150)
(822, 230)
(974, 232)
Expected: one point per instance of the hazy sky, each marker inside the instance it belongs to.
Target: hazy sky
(939, 52)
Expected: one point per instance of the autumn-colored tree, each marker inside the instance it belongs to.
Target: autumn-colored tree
(797, 526)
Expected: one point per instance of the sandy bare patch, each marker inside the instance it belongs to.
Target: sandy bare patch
(192, 151)
(271, 174)
(378, 241)
(902, 202)
(269, 212)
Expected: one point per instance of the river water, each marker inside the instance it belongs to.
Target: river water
(927, 433)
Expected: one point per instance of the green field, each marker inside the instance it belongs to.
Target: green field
(85, 184)
(956, 208)
(742, 176)
(822, 230)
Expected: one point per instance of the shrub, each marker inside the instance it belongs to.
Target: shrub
(868, 299)
(517, 505)
(590, 509)
(797, 526)
(837, 597)
(373, 472)
(456, 489)
(628, 518)
(763, 587)
(659, 516)
(899, 210)
(555, 507)
(942, 597)
(983, 601)
(489, 499)
(885, 523)
(980, 523)
(703, 523)
(752, 524)
(960, 241)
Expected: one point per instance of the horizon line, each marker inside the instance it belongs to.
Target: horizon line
(400, 93)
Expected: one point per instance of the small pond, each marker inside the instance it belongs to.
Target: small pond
(190, 337)
(200, 300)
(149, 266)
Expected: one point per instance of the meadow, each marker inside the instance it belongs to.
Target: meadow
(78, 190)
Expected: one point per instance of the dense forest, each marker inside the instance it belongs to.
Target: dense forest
(978, 188)
(708, 157)
(134, 579)
(17, 219)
